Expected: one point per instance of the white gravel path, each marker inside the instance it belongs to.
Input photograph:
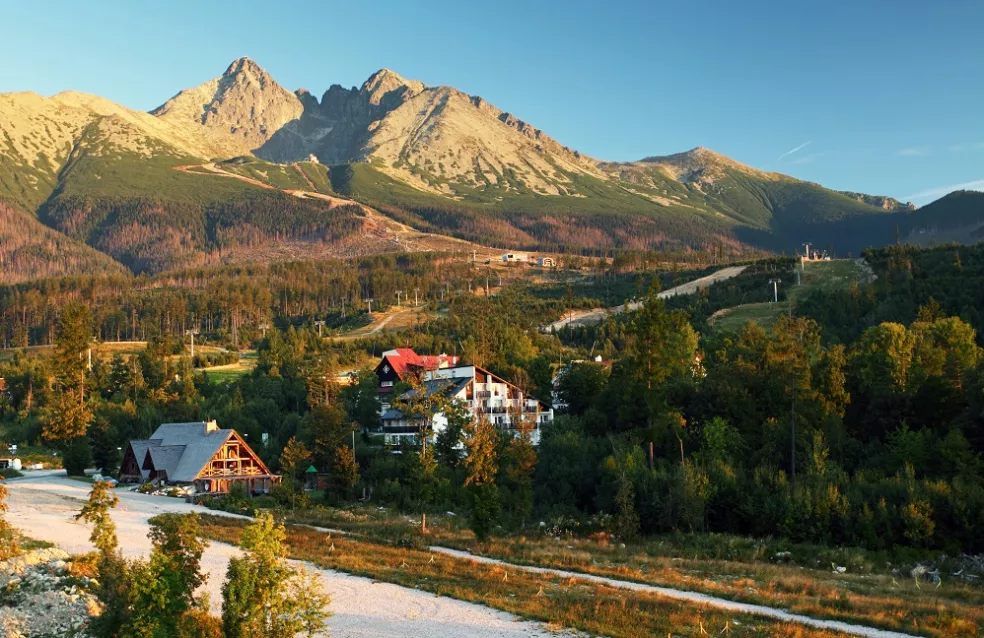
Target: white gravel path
(689, 596)
(42, 507)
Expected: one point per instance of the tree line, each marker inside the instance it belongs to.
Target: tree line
(874, 441)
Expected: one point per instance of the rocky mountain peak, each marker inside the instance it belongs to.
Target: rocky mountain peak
(246, 66)
(384, 82)
(241, 109)
(699, 165)
(880, 201)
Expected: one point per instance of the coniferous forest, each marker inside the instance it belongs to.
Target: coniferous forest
(855, 420)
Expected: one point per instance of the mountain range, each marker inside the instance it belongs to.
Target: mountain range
(240, 168)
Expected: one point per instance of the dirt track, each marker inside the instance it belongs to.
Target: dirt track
(694, 597)
(42, 507)
(597, 315)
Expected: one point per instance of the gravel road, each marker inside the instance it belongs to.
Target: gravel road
(597, 315)
(42, 507)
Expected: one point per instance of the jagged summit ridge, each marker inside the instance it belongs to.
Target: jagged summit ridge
(238, 111)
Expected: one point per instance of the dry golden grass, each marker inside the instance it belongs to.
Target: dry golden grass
(555, 600)
(877, 600)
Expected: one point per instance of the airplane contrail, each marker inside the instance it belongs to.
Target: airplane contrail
(795, 150)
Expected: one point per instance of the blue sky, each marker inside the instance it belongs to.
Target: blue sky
(880, 96)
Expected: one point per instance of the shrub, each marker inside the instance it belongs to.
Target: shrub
(485, 509)
(8, 541)
(263, 594)
(198, 623)
(78, 457)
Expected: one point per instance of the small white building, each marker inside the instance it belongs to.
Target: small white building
(513, 258)
(546, 262)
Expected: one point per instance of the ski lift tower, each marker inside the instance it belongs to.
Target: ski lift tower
(191, 332)
(775, 289)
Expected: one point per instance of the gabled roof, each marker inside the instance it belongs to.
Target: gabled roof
(165, 458)
(182, 433)
(197, 454)
(470, 372)
(182, 450)
(140, 447)
(448, 387)
(403, 360)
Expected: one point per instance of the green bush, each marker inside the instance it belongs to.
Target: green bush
(78, 457)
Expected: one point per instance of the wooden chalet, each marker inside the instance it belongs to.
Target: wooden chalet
(198, 454)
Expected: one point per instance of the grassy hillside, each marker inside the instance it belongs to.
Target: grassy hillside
(601, 216)
(151, 217)
(957, 217)
(644, 208)
(304, 176)
(822, 276)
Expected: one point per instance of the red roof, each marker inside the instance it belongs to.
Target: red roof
(404, 360)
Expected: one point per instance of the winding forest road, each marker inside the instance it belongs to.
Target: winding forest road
(597, 315)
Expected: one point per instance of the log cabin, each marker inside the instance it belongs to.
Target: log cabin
(197, 454)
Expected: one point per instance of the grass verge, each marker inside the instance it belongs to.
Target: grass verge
(877, 600)
(736, 568)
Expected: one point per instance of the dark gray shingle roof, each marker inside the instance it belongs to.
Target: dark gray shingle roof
(166, 458)
(197, 453)
(140, 447)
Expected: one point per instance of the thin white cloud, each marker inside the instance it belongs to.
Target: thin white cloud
(913, 151)
(795, 150)
(940, 191)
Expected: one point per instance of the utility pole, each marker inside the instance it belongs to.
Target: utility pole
(415, 291)
(792, 426)
(775, 289)
(191, 332)
(263, 327)
(369, 301)
(319, 323)
(398, 293)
